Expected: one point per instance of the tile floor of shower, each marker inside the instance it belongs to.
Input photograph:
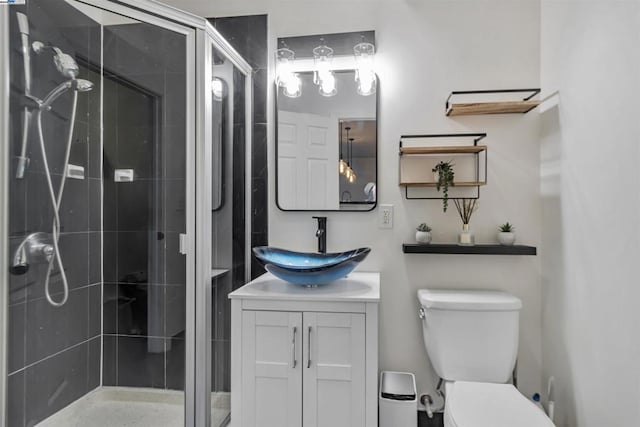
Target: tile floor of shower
(133, 407)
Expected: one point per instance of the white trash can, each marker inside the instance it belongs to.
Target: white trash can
(398, 401)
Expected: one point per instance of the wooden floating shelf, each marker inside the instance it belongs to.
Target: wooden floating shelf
(492, 107)
(413, 175)
(485, 249)
(479, 108)
(452, 149)
(434, 184)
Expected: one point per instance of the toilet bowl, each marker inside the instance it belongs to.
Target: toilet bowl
(472, 341)
(470, 404)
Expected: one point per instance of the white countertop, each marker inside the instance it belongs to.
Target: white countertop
(356, 287)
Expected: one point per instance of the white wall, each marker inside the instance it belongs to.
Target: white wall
(591, 202)
(425, 50)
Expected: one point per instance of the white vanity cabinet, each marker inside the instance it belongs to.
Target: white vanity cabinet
(305, 357)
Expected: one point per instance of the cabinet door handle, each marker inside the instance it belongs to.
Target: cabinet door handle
(294, 362)
(309, 349)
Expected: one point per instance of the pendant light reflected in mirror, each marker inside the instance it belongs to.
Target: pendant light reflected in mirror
(352, 175)
(342, 165)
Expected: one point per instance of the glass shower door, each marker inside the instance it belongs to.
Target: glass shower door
(126, 275)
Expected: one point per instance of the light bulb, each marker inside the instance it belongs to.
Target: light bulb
(365, 74)
(328, 84)
(292, 87)
(348, 172)
(352, 178)
(283, 73)
(323, 76)
(366, 82)
(284, 69)
(217, 89)
(342, 167)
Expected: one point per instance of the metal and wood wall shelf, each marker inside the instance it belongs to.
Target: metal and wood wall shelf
(490, 102)
(417, 162)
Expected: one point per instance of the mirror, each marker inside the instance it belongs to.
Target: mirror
(314, 133)
(221, 129)
(220, 100)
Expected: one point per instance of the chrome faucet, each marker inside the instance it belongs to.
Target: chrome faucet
(321, 233)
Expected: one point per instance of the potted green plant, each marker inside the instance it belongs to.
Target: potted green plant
(423, 233)
(506, 236)
(466, 208)
(443, 175)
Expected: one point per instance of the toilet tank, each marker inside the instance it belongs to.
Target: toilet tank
(470, 335)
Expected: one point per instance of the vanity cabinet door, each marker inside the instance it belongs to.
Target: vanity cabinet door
(271, 369)
(334, 370)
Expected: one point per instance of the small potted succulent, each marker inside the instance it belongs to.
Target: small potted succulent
(443, 175)
(423, 233)
(506, 236)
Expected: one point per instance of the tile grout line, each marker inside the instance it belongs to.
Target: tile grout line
(52, 356)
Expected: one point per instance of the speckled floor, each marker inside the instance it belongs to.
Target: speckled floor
(131, 407)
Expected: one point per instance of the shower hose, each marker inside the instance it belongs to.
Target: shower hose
(55, 202)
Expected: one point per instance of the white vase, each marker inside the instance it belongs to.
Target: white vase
(466, 237)
(506, 239)
(436, 177)
(423, 237)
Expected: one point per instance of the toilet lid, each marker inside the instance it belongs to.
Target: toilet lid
(491, 405)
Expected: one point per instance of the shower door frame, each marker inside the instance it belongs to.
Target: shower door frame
(200, 38)
(4, 206)
(209, 38)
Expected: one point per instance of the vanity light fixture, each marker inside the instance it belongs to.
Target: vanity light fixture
(365, 74)
(285, 77)
(323, 75)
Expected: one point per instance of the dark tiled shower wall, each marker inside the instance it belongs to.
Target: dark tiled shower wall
(54, 353)
(144, 274)
(248, 35)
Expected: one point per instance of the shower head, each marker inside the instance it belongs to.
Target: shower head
(79, 85)
(64, 62)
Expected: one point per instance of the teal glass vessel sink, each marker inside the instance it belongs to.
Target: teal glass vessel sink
(309, 269)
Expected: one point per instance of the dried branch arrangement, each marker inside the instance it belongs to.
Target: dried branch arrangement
(466, 208)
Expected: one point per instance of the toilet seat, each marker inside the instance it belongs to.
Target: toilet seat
(470, 404)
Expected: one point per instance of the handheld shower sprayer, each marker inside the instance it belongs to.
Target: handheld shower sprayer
(66, 65)
(42, 246)
(79, 85)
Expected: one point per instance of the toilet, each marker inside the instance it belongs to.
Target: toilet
(472, 340)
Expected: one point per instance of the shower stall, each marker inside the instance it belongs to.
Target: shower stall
(126, 139)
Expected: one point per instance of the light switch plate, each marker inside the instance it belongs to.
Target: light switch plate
(385, 216)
